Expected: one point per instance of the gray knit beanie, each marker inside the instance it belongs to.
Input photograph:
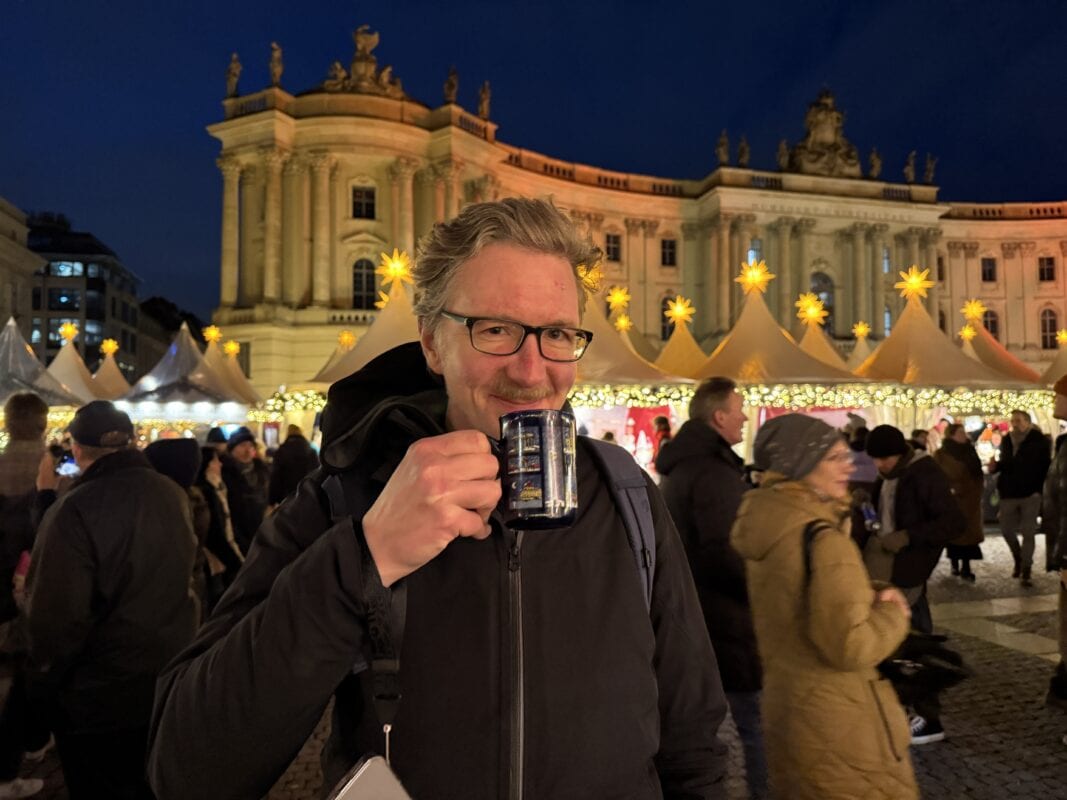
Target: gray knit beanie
(793, 444)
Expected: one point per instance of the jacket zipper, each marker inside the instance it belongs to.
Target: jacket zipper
(515, 773)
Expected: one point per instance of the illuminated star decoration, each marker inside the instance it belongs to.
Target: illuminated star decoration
(590, 277)
(346, 340)
(68, 330)
(1061, 337)
(382, 301)
(679, 310)
(623, 323)
(861, 330)
(914, 283)
(231, 348)
(754, 277)
(973, 310)
(109, 347)
(967, 332)
(212, 334)
(618, 298)
(395, 267)
(811, 309)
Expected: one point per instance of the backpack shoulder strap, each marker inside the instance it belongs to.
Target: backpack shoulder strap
(629, 489)
(811, 530)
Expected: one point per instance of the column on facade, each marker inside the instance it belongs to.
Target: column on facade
(783, 227)
(450, 171)
(402, 174)
(294, 264)
(633, 255)
(878, 236)
(273, 161)
(930, 238)
(250, 275)
(650, 266)
(321, 167)
(972, 268)
(709, 290)
(724, 272)
(803, 230)
(746, 232)
(693, 274)
(231, 180)
(861, 274)
(1018, 311)
(439, 198)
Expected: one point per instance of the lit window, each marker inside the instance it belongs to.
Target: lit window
(989, 270)
(64, 299)
(54, 324)
(67, 269)
(363, 285)
(1049, 325)
(613, 247)
(755, 251)
(35, 331)
(93, 334)
(1046, 269)
(94, 271)
(362, 202)
(886, 265)
(887, 320)
(991, 322)
(668, 252)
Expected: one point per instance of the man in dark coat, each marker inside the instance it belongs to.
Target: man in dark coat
(293, 462)
(703, 481)
(918, 517)
(247, 479)
(1055, 519)
(1025, 454)
(108, 604)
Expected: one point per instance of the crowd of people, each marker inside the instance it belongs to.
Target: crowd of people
(180, 617)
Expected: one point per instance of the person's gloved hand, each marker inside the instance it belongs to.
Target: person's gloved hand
(894, 541)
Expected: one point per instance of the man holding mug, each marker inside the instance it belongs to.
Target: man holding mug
(530, 664)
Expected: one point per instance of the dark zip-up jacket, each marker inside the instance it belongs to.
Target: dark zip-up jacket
(1022, 473)
(703, 483)
(530, 666)
(109, 599)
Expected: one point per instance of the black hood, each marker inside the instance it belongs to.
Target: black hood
(396, 381)
(693, 440)
(178, 459)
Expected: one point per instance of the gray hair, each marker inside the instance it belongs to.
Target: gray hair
(532, 224)
(711, 396)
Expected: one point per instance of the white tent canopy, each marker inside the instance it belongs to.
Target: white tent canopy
(1058, 368)
(860, 353)
(108, 380)
(227, 368)
(993, 354)
(69, 369)
(816, 343)
(182, 376)
(610, 358)
(681, 355)
(20, 371)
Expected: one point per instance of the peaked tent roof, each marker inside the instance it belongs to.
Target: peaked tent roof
(918, 352)
(230, 374)
(69, 369)
(108, 379)
(758, 350)
(610, 357)
(1057, 369)
(395, 325)
(816, 343)
(20, 371)
(182, 376)
(859, 354)
(640, 345)
(993, 354)
(681, 355)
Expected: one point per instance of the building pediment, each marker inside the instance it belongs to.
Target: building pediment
(357, 238)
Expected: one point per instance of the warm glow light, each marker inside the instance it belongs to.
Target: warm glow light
(68, 330)
(590, 277)
(861, 330)
(1061, 337)
(811, 309)
(754, 277)
(973, 310)
(109, 347)
(231, 348)
(395, 267)
(914, 283)
(382, 301)
(679, 310)
(618, 298)
(967, 332)
(623, 323)
(346, 340)
(212, 334)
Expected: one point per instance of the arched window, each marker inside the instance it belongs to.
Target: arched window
(823, 288)
(991, 322)
(363, 287)
(1049, 324)
(941, 319)
(666, 327)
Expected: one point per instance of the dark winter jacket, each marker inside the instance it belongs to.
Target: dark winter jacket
(926, 509)
(246, 492)
(1054, 510)
(109, 600)
(293, 462)
(1022, 473)
(703, 481)
(529, 663)
(215, 539)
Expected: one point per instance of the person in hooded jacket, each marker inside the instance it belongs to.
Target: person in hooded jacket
(221, 552)
(703, 483)
(833, 727)
(293, 462)
(957, 457)
(247, 479)
(531, 664)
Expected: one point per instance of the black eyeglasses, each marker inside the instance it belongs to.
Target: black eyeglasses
(503, 337)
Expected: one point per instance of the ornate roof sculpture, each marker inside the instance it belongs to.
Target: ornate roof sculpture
(824, 150)
(364, 77)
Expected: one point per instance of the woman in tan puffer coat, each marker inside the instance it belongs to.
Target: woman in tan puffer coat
(833, 727)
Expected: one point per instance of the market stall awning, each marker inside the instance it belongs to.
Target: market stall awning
(224, 364)
(1058, 368)
(69, 369)
(610, 358)
(20, 371)
(182, 376)
(681, 355)
(108, 379)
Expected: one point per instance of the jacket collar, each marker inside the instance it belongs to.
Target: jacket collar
(129, 458)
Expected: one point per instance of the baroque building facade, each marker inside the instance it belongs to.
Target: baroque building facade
(316, 185)
(17, 266)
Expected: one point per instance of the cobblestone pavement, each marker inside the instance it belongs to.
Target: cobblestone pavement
(1003, 742)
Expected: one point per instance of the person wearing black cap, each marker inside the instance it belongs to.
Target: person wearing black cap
(247, 479)
(918, 517)
(216, 438)
(108, 604)
(833, 727)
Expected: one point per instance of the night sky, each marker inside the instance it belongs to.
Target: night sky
(103, 111)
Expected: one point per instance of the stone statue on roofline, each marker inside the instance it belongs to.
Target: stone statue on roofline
(824, 150)
(233, 74)
(451, 85)
(783, 155)
(875, 162)
(743, 153)
(722, 149)
(484, 97)
(337, 79)
(931, 165)
(277, 66)
(364, 65)
(909, 168)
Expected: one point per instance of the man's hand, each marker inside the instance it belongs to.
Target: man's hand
(46, 473)
(896, 597)
(446, 486)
